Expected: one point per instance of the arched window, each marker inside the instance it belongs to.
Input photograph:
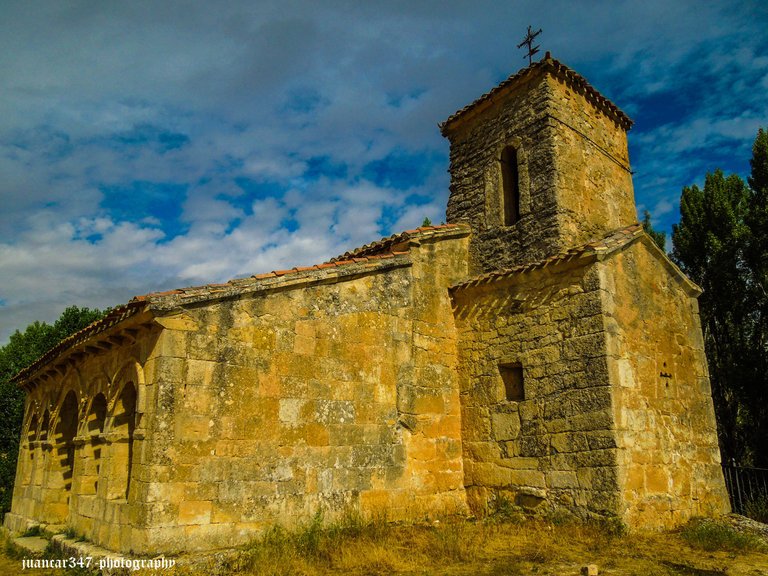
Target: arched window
(121, 450)
(40, 466)
(510, 186)
(93, 445)
(97, 415)
(45, 427)
(31, 446)
(66, 429)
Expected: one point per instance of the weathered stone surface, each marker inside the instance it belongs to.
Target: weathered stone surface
(394, 381)
(664, 419)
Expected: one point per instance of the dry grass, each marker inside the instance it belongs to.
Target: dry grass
(486, 548)
(494, 547)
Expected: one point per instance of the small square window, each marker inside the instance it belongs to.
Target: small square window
(512, 377)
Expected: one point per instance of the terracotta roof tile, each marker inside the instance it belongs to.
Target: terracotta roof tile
(559, 70)
(386, 248)
(113, 317)
(369, 255)
(614, 239)
(390, 244)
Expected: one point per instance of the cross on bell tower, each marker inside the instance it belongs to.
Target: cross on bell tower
(528, 41)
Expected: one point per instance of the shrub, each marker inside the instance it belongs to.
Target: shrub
(711, 535)
(757, 507)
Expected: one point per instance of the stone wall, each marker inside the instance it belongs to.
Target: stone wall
(664, 416)
(197, 425)
(593, 178)
(81, 461)
(555, 447)
(574, 180)
(328, 395)
(519, 120)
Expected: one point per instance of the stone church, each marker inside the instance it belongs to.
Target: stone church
(538, 348)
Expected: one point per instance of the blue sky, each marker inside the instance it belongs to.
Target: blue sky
(152, 145)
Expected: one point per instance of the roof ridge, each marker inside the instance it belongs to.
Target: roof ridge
(381, 249)
(137, 303)
(248, 280)
(395, 239)
(113, 317)
(559, 70)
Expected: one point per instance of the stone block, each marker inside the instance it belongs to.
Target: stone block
(195, 512)
(505, 426)
(562, 479)
(290, 411)
(192, 428)
(531, 478)
(420, 448)
(657, 479)
(426, 403)
(635, 480)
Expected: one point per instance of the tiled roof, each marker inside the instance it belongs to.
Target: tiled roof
(113, 317)
(400, 241)
(172, 298)
(386, 252)
(610, 242)
(559, 70)
(366, 257)
(276, 278)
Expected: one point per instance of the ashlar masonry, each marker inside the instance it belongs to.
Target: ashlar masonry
(537, 348)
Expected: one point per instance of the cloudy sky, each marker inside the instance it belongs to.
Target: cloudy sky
(146, 145)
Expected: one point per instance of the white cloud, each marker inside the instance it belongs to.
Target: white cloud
(260, 88)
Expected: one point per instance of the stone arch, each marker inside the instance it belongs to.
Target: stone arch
(45, 426)
(97, 415)
(130, 371)
(33, 423)
(507, 184)
(43, 445)
(93, 438)
(122, 426)
(63, 441)
(510, 186)
(58, 441)
(30, 445)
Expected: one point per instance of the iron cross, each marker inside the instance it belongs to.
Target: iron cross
(528, 41)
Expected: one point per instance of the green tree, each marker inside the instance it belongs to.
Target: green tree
(756, 259)
(720, 243)
(22, 350)
(660, 238)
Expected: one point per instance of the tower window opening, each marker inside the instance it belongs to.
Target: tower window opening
(510, 186)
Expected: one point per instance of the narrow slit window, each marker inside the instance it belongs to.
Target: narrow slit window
(510, 186)
(512, 377)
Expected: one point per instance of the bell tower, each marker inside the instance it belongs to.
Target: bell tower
(538, 165)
